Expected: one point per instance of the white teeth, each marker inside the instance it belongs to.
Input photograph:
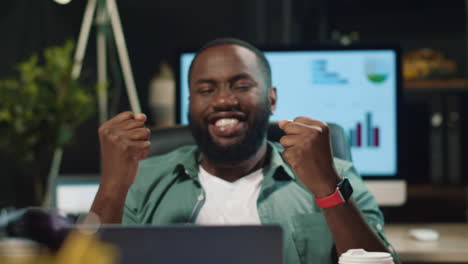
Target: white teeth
(226, 122)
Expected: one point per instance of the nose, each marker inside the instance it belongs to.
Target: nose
(225, 100)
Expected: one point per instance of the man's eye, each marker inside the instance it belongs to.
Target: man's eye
(205, 91)
(243, 86)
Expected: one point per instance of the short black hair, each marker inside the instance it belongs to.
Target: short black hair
(264, 64)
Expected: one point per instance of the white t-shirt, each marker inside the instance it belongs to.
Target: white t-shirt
(230, 202)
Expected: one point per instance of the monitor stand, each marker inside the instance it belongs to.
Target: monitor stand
(388, 192)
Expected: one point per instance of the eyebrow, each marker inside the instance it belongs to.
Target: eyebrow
(203, 80)
(234, 78)
(240, 76)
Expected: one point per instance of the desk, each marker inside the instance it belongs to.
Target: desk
(452, 246)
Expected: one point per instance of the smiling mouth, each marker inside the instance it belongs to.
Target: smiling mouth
(224, 122)
(227, 127)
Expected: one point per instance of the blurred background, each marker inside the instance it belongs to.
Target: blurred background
(432, 34)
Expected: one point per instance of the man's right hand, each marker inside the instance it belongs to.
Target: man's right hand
(124, 141)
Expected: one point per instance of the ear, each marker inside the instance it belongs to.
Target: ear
(272, 98)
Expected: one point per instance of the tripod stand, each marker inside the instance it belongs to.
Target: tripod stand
(106, 16)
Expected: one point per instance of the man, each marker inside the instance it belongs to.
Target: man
(234, 175)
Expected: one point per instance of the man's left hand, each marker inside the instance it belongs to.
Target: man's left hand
(308, 151)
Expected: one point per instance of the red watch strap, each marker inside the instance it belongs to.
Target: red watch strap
(332, 200)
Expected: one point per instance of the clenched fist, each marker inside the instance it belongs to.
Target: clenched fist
(124, 141)
(308, 151)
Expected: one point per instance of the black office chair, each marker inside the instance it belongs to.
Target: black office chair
(167, 139)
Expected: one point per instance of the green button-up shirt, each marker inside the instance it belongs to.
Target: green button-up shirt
(167, 191)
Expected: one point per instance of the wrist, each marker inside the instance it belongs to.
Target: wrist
(118, 178)
(326, 187)
(108, 206)
(342, 193)
(113, 189)
(325, 191)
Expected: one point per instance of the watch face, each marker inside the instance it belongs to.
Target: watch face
(345, 189)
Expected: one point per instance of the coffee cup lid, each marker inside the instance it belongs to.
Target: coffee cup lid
(18, 246)
(362, 256)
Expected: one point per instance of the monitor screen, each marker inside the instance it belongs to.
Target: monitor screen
(353, 87)
(74, 194)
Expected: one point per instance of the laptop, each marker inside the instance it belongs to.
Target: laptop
(262, 244)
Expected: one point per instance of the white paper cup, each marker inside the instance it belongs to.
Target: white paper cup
(19, 251)
(360, 256)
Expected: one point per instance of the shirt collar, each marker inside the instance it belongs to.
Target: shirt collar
(188, 163)
(277, 166)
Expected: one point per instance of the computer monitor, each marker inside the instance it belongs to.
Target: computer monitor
(355, 87)
(74, 194)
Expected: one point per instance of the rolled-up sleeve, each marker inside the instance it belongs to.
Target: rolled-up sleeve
(366, 202)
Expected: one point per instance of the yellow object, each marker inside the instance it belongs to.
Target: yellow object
(427, 64)
(81, 247)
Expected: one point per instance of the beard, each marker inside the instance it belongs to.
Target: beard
(236, 152)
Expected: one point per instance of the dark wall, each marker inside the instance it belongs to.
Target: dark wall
(156, 30)
(411, 24)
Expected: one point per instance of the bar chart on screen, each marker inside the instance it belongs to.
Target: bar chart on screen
(365, 134)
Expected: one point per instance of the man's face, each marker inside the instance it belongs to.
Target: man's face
(229, 105)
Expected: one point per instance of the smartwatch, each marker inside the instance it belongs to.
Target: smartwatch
(341, 195)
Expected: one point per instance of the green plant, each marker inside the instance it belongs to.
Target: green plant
(41, 107)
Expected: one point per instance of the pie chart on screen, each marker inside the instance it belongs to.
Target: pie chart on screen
(377, 70)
